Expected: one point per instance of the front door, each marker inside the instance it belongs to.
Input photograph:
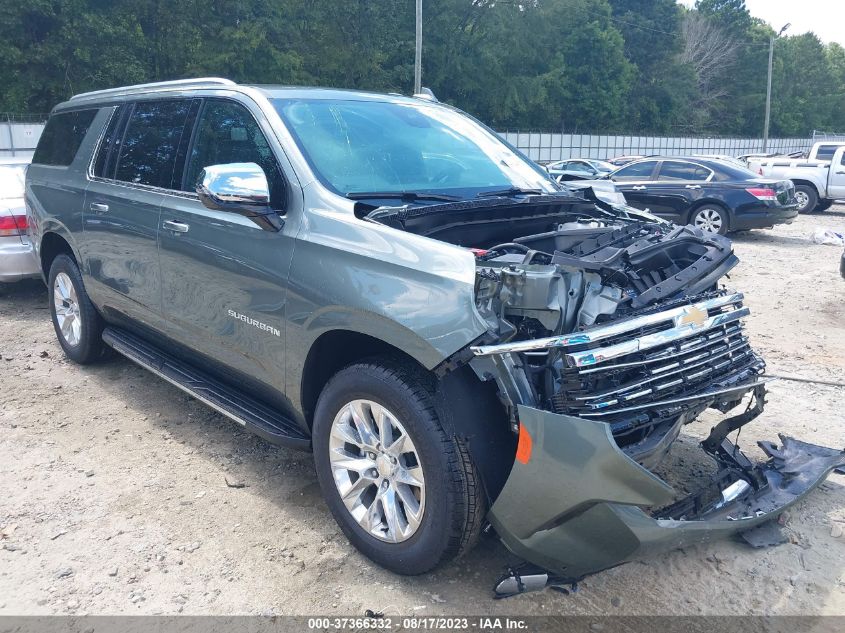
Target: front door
(836, 182)
(134, 166)
(634, 181)
(224, 277)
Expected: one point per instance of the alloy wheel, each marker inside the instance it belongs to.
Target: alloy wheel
(66, 303)
(377, 471)
(708, 219)
(802, 199)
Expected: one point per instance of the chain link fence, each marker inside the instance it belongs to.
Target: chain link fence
(546, 147)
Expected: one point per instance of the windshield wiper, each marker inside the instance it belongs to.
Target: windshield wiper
(511, 191)
(409, 196)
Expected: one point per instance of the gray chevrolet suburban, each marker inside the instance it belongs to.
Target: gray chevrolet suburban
(382, 280)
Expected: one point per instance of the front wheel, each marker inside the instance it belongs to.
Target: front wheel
(711, 218)
(402, 488)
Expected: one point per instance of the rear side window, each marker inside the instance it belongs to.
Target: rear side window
(675, 170)
(635, 171)
(148, 152)
(62, 137)
(826, 152)
(110, 145)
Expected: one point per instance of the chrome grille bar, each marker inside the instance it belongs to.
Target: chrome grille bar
(599, 355)
(607, 331)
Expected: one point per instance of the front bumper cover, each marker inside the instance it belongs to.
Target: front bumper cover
(575, 507)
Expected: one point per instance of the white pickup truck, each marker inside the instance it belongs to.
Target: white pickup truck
(817, 182)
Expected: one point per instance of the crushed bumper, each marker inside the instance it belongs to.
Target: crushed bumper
(575, 505)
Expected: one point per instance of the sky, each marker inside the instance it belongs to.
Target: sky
(826, 18)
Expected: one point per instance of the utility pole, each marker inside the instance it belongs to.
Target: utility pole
(418, 52)
(769, 88)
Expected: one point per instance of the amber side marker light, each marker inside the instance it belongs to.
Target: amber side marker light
(523, 446)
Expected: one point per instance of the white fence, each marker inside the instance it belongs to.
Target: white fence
(548, 146)
(18, 140)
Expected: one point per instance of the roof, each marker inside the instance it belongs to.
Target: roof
(123, 93)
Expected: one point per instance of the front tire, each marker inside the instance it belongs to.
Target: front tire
(78, 326)
(403, 490)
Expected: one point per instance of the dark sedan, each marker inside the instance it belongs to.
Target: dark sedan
(711, 194)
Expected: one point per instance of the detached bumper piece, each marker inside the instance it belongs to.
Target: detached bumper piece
(575, 504)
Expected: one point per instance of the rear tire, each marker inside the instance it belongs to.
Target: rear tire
(711, 218)
(807, 198)
(428, 524)
(78, 326)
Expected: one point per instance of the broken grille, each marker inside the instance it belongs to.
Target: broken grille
(659, 360)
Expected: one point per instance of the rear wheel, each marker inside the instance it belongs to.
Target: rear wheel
(78, 326)
(402, 489)
(711, 218)
(806, 197)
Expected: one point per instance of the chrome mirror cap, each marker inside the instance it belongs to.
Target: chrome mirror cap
(234, 187)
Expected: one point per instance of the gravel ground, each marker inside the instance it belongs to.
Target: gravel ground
(121, 495)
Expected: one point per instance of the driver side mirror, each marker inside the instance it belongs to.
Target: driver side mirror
(238, 188)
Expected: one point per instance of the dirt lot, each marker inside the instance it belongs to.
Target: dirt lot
(115, 496)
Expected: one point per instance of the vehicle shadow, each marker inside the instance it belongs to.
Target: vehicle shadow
(767, 237)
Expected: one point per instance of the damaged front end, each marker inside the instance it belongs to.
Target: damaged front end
(607, 333)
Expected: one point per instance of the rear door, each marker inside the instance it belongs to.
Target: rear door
(634, 181)
(676, 187)
(132, 170)
(224, 278)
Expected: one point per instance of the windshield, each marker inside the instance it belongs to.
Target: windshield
(390, 147)
(12, 181)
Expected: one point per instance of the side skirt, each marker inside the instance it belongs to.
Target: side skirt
(250, 413)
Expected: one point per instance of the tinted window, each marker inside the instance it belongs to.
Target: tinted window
(151, 141)
(826, 152)
(228, 133)
(635, 171)
(577, 165)
(62, 137)
(674, 170)
(109, 146)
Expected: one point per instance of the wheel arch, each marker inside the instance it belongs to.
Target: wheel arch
(468, 407)
(52, 245)
(710, 202)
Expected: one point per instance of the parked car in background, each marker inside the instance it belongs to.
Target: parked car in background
(579, 169)
(817, 182)
(17, 259)
(710, 194)
(724, 157)
(624, 160)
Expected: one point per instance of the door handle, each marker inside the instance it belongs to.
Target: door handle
(99, 207)
(638, 187)
(176, 227)
(693, 186)
(840, 173)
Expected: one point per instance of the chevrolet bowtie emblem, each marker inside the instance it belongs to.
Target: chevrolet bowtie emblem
(692, 316)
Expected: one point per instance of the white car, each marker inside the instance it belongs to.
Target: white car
(17, 257)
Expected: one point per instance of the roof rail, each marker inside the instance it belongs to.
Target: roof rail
(178, 83)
